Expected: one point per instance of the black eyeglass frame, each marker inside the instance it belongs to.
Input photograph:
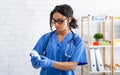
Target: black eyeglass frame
(59, 21)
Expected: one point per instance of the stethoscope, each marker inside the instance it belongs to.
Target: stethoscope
(71, 43)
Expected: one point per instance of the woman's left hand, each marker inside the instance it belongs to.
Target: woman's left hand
(45, 62)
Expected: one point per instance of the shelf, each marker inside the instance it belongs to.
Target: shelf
(105, 71)
(98, 46)
(116, 71)
(116, 46)
(86, 21)
(91, 46)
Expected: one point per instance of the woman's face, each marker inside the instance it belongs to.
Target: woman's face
(60, 22)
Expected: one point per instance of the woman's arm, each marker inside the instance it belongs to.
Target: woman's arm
(65, 65)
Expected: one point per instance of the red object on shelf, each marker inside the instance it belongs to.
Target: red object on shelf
(96, 43)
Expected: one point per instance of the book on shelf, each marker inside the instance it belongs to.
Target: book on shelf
(99, 61)
(93, 66)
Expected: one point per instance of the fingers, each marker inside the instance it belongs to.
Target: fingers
(42, 63)
(34, 59)
(42, 57)
(36, 64)
(31, 54)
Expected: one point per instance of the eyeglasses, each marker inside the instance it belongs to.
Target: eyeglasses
(59, 21)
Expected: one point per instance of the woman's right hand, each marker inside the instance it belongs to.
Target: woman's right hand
(35, 62)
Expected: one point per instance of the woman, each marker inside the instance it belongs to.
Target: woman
(62, 50)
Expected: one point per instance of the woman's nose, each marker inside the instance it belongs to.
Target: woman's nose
(56, 23)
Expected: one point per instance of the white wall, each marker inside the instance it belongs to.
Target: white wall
(22, 22)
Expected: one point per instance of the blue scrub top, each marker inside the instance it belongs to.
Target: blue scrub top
(59, 51)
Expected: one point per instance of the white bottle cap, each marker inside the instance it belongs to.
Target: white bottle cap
(35, 53)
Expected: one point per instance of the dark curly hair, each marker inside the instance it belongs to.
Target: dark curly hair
(66, 11)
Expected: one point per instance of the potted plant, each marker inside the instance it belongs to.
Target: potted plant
(97, 37)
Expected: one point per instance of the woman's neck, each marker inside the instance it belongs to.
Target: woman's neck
(64, 32)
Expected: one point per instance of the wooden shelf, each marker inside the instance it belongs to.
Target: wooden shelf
(105, 71)
(108, 68)
(99, 46)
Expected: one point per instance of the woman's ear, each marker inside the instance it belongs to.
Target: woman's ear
(69, 19)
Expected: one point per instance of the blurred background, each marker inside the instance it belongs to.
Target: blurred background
(22, 22)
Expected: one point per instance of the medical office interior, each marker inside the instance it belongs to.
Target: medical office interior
(22, 22)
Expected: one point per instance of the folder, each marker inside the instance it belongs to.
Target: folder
(93, 66)
(99, 61)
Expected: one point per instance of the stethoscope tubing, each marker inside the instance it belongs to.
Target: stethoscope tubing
(72, 39)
